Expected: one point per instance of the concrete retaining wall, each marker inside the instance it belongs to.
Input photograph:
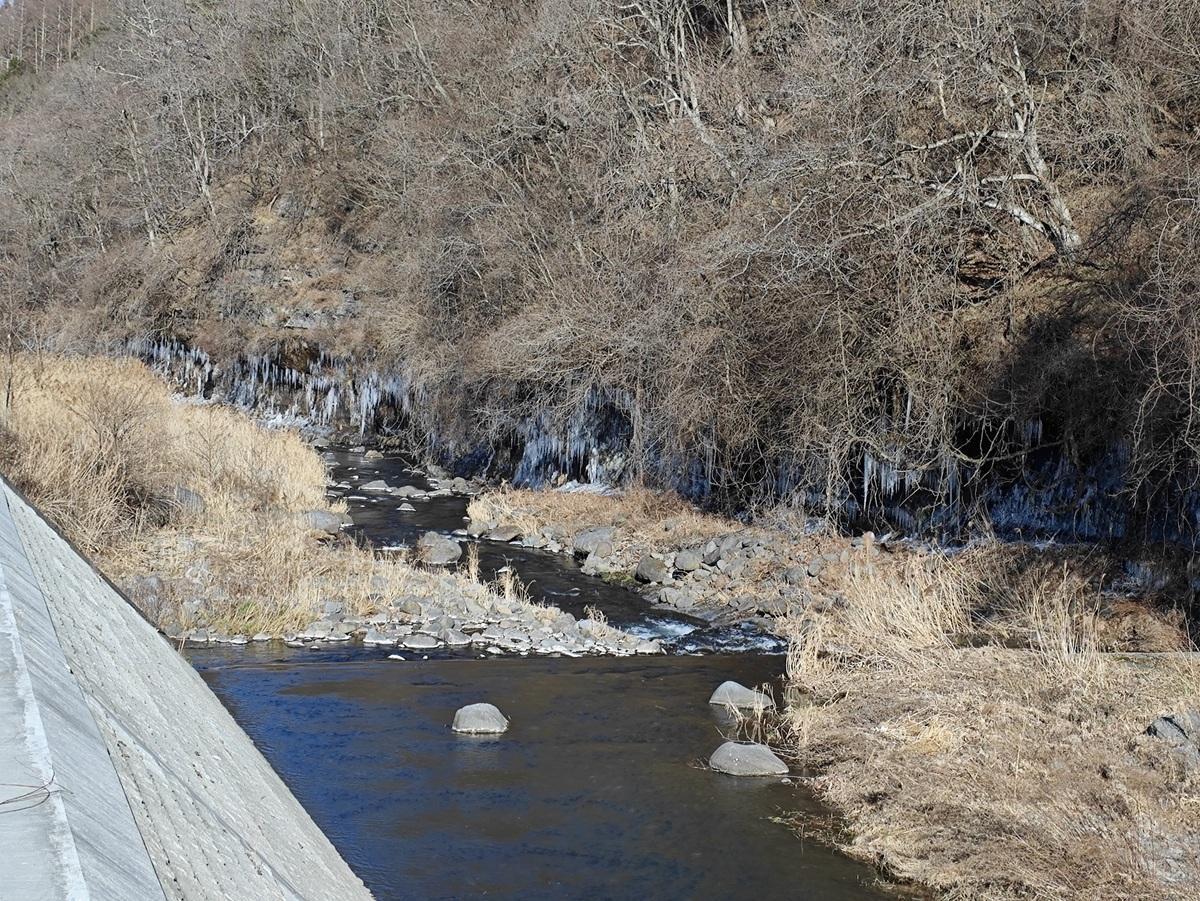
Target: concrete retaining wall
(121, 775)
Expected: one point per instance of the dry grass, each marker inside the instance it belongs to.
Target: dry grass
(100, 446)
(994, 772)
(646, 520)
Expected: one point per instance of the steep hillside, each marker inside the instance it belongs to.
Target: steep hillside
(893, 259)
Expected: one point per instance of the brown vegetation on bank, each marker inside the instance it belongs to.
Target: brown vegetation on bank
(200, 496)
(1015, 769)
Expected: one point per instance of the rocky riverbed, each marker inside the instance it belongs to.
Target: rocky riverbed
(447, 605)
(706, 567)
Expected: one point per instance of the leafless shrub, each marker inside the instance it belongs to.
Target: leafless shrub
(781, 236)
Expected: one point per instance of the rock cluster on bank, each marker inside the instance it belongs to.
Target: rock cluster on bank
(749, 575)
(454, 615)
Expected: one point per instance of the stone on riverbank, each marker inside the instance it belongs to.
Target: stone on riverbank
(438, 550)
(316, 630)
(734, 694)
(651, 569)
(688, 561)
(504, 533)
(479, 719)
(598, 565)
(593, 541)
(1181, 732)
(323, 521)
(795, 575)
(738, 759)
(376, 637)
(420, 642)
(409, 606)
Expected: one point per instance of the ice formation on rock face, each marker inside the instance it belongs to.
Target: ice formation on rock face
(1041, 493)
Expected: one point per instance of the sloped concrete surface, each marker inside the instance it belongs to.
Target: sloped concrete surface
(121, 775)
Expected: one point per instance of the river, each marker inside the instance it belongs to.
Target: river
(597, 790)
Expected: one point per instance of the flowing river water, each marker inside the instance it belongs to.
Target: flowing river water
(597, 790)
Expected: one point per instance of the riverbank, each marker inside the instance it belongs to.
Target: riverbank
(680, 558)
(991, 771)
(220, 529)
(967, 713)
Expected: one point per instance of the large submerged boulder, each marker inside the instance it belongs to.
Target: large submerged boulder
(738, 759)
(479, 719)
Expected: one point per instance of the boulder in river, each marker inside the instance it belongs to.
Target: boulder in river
(438, 550)
(651, 569)
(323, 521)
(739, 759)
(479, 719)
(376, 485)
(734, 694)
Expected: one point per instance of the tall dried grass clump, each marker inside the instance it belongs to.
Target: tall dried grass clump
(102, 447)
(647, 520)
(201, 496)
(965, 722)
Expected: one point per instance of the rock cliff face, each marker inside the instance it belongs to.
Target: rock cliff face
(1038, 492)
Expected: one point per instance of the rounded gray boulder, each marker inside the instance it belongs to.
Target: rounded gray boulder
(651, 569)
(438, 550)
(479, 719)
(738, 759)
(734, 694)
(323, 521)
